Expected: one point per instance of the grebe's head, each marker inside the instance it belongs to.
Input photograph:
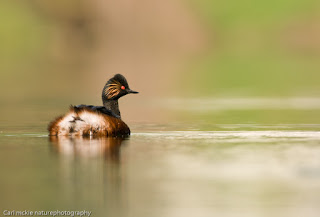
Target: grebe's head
(116, 87)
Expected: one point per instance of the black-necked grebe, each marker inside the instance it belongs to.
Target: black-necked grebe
(89, 120)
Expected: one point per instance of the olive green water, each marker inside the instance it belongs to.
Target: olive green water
(182, 168)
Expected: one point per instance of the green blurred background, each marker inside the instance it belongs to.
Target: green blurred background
(58, 53)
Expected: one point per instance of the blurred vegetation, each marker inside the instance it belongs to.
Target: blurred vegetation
(59, 53)
(36, 60)
(264, 48)
(20, 42)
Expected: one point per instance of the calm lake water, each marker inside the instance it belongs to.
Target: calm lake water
(177, 169)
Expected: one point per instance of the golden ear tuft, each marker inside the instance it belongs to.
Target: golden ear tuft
(113, 89)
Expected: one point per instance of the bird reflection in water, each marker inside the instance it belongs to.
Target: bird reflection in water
(90, 172)
(86, 147)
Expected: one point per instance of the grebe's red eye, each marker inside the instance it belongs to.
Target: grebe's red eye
(123, 87)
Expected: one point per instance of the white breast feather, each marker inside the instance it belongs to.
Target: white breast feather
(65, 124)
(91, 119)
(83, 121)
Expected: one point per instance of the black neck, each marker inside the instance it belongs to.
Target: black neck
(113, 106)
